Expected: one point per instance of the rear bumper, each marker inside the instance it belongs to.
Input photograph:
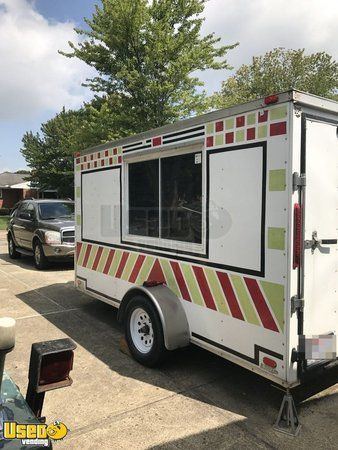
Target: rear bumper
(315, 369)
(59, 251)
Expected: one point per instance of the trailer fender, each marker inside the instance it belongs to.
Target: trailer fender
(170, 310)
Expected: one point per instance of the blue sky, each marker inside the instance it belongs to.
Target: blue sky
(13, 128)
(66, 10)
(36, 82)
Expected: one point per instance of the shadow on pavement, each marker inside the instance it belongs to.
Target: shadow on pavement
(94, 326)
(27, 262)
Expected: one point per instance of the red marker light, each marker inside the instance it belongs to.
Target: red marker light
(269, 362)
(56, 367)
(271, 99)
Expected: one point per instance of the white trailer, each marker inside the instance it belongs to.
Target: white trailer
(220, 230)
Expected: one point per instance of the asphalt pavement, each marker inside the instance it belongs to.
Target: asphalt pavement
(196, 400)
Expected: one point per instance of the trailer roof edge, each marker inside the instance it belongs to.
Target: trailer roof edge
(295, 96)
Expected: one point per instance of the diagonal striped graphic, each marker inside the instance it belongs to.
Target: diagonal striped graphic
(180, 280)
(274, 293)
(190, 279)
(81, 255)
(247, 306)
(122, 264)
(261, 306)
(129, 266)
(259, 303)
(218, 295)
(203, 284)
(170, 279)
(144, 272)
(137, 268)
(115, 263)
(91, 257)
(86, 257)
(109, 260)
(103, 259)
(230, 295)
(78, 249)
(97, 258)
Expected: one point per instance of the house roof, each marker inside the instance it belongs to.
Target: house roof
(8, 179)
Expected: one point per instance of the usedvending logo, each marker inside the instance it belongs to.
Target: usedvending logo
(35, 434)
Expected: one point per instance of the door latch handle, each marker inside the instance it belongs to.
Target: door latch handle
(315, 242)
(328, 241)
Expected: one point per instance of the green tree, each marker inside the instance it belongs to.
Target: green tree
(49, 154)
(103, 121)
(146, 54)
(280, 70)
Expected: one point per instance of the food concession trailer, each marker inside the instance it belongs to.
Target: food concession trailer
(220, 230)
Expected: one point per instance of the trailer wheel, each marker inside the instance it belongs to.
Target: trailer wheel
(144, 333)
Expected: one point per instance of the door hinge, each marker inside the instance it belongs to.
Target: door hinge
(298, 181)
(296, 304)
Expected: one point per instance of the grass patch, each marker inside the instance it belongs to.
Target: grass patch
(3, 222)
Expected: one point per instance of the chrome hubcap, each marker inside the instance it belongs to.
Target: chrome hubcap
(141, 330)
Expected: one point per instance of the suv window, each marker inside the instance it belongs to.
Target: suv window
(25, 209)
(56, 210)
(21, 210)
(31, 210)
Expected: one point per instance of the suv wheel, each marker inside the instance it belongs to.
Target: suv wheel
(41, 262)
(12, 251)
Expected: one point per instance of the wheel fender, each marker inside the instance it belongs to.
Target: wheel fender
(170, 310)
(39, 235)
(10, 233)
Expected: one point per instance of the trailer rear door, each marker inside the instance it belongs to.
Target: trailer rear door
(320, 161)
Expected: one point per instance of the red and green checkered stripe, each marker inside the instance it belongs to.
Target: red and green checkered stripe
(258, 302)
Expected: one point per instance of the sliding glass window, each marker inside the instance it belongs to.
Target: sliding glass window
(165, 198)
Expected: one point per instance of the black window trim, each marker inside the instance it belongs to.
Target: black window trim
(168, 245)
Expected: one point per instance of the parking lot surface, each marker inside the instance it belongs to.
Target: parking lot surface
(194, 401)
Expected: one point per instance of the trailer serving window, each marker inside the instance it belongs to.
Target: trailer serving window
(165, 200)
(144, 198)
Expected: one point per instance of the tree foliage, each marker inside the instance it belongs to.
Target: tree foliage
(49, 154)
(277, 71)
(145, 54)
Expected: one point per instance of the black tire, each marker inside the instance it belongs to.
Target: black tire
(12, 251)
(157, 353)
(40, 260)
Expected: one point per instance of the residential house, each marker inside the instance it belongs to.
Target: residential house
(13, 188)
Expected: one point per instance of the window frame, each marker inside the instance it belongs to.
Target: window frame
(198, 249)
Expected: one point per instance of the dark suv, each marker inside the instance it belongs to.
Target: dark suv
(44, 229)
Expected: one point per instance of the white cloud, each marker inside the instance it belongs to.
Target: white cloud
(261, 25)
(34, 78)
